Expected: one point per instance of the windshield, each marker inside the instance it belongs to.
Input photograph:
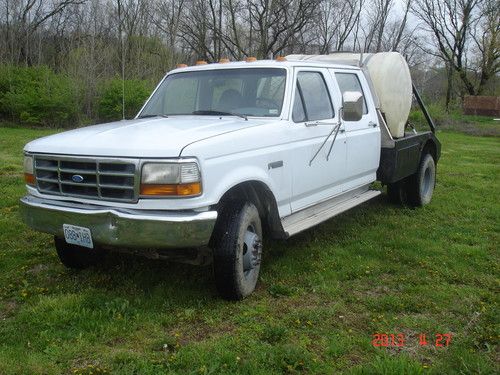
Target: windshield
(246, 91)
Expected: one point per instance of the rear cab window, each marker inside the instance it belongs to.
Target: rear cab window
(350, 82)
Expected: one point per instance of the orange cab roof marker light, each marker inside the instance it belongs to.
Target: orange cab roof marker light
(281, 58)
(181, 66)
(223, 61)
(201, 62)
(251, 59)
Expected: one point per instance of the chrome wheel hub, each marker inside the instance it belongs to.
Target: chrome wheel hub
(252, 250)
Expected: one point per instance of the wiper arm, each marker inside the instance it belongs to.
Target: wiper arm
(157, 115)
(218, 113)
(334, 130)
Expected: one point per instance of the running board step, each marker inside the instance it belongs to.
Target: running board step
(314, 215)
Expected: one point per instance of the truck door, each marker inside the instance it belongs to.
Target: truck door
(363, 136)
(313, 119)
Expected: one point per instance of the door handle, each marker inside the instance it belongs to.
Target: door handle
(316, 123)
(309, 124)
(372, 124)
(342, 130)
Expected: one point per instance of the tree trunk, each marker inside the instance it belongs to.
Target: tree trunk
(449, 86)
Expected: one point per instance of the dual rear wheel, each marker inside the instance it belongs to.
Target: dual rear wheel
(417, 189)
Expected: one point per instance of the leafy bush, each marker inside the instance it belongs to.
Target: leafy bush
(38, 96)
(110, 98)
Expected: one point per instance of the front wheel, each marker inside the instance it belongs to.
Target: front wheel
(237, 250)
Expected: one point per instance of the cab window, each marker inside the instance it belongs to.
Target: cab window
(312, 99)
(350, 82)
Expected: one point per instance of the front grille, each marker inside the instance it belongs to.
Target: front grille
(86, 178)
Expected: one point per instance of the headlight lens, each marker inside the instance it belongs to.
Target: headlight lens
(29, 177)
(156, 173)
(173, 179)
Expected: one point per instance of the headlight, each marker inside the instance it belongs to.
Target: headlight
(29, 177)
(172, 179)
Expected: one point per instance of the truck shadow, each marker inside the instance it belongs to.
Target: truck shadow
(331, 232)
(188, 285)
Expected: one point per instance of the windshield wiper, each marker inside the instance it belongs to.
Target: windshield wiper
(157, 115)
(218, 113)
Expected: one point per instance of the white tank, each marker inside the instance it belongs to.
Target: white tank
(390, 78)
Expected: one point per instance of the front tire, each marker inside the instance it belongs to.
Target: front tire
(77, 257)
(237, 250)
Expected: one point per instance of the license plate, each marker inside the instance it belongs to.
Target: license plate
(78, 235)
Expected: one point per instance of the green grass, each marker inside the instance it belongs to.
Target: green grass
(455, 120)
(323, 294)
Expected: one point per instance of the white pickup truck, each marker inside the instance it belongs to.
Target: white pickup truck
(222, 155)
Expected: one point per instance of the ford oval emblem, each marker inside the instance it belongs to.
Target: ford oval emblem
(77, 178)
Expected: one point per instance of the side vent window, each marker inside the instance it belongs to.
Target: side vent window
(298, 113)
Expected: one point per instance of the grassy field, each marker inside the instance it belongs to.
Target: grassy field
(322, 296)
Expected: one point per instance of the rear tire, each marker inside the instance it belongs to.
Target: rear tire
(237, 250)
(421, 184)
(77, 257)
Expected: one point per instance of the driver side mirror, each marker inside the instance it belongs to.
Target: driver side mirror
(352, 106)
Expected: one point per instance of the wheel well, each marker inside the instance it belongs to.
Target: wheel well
(262, 197)
(430, 147)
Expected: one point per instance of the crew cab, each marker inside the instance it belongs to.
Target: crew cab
(220, 156)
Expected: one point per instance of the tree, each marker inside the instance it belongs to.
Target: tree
(335, 22)
(487, 42)
(454, 25)
(24, 18)
(377, 18)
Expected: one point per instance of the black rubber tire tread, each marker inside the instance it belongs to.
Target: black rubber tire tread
(77, 257)
(414, 191)
(232, 216)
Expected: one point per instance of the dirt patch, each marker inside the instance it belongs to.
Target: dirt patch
(374, 292)
(87, 367)
(472, 128)
(7, 309)
(199, 331)
(37, 269)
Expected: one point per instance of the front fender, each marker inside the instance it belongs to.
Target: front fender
(220, 181)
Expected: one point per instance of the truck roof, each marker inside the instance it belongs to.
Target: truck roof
(289, 63)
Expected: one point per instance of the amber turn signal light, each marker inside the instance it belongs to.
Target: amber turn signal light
(171, 189)
(29, 179)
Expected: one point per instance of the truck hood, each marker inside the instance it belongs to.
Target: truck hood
(145, 138)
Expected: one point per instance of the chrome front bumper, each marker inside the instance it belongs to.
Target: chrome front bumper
(121, 227)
